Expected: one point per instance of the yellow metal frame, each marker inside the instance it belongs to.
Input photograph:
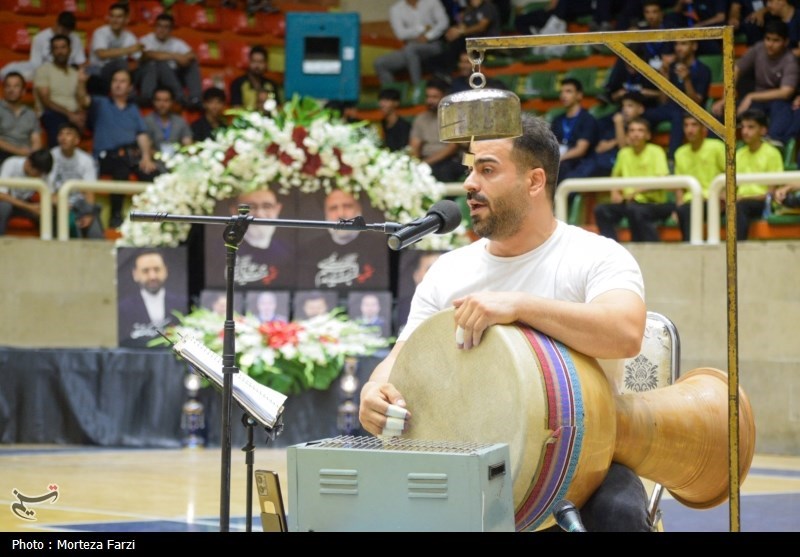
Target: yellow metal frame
(617, 41)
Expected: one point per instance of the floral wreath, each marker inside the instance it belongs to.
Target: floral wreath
(298, 145)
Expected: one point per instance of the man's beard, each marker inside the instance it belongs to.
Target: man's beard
(505, 216)
(259, 236)
(342, 237)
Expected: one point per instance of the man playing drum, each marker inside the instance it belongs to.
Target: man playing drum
(577, 287)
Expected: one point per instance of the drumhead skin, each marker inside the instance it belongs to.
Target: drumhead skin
(551, 405)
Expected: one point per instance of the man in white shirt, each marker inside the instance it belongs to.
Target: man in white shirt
(70, 162)
(169, 62)
(40, 48)
(420, 24)
(111, 47)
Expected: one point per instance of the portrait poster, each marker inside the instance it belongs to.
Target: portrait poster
(267, 254)
(269, 305)
(152, 283)
(413, 265)
(341, 260)
(215, 299)
(373, 309)
(310, 303)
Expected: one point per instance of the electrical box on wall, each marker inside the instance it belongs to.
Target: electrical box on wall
(323, 55)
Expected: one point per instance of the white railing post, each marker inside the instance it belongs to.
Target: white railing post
(45, 201)
(102, 186)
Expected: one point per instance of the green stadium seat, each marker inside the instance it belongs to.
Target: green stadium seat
(714, 62)
(540, 85)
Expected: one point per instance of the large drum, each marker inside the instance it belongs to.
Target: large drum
(555, 409)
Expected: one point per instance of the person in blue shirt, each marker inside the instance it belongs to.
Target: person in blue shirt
(576, 131)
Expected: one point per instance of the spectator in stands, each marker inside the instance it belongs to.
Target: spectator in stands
(167, 130)
(19, 202)
(624, 78)
(660, 52)
(40, 47)
(701, 157)
(785, 11)
(57, 93)
(554, 13)
(213, 118)
(646, 208)
(747, 17)
(70, 162)
(775, 69)
(20, 133)
(479, 19)
(612, 135)
(112, 47)
(421, 25)
(576, 131)
(692, 77)
(119, 143)
(347, 110)
(464, 70)
(169, 62)
(757, 155)
(688, 13)
(443, 158)
(395, 130)
(252, 89)
(788, 196)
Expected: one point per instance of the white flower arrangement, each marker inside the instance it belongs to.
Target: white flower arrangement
(301, 145)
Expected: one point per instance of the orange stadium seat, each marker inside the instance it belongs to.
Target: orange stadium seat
(146, 12)
(17, 36)
(22, 226)
(273, 24)
(236, 54)
(81, 8)
(24, 7)
(197, 17)
(209, 52)
(240, 23)
(100, 8)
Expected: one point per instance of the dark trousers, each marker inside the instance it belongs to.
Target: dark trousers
(156, 72)
(672, 113)
(119, 167)
(51, 121)
(684, 219)
(747, 210)
(643, 219)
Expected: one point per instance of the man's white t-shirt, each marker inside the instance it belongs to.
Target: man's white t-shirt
(172, 45)
(104, 38)
(573, 265)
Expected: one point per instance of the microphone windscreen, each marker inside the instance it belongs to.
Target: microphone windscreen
(449, 212)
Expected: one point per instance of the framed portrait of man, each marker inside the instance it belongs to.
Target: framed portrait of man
(373, 309)
(341, 260)
(267, 254)
(152, 283)
(413, 265)
(268, 305)
(310, 303)
(216, 300)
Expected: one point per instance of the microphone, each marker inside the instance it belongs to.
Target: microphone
(567, 517)
(444, 216)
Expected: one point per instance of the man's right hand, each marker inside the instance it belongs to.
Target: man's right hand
(375, 413)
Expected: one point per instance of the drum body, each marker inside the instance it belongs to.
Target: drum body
(552, 405)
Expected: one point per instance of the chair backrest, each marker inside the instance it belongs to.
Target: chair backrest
(656, 366)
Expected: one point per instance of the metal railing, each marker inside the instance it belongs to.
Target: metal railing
(101, 186)
(580, 185)
(718, 183)
(45, 201)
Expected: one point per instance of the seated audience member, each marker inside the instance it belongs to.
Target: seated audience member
(690, 76)
(479, 18)
(20, 133)
(120, 142)
(347, 111)
(40, 47)
(645, 208)
(688, 13)
(112, 48)
(167, 130)
(57, 93)
(18, 202)
(612, 136)
(623, 79)
(464, 70)
(786, 11)
(576, 132)
(70, 162)
(558, 12)
(775, 72)
(252, 89)
(213, 118)
(757, 155)
(747, 18)
(701, 157)
(657, 53)
(420, 24)
(395, 130)
(788, 196)
(443, 158)
(169, 62)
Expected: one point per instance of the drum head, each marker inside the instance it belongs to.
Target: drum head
(493, 393)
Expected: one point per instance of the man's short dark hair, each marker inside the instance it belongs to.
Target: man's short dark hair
(755, 115)
(60, 37)
(41, 160)
(120, 6)
(162, 89)
(214, 93)
(574, 82)
(439, 84)
(634, 96)
(67, 20)
(638, 120)
(776, 26)
(166, 17)
(389, 94)
(69, 126)
(257, 49)
(537, 147)
(9, 75)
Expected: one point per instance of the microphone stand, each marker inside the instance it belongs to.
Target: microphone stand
(235, 229)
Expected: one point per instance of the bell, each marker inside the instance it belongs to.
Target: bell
(479, 113)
